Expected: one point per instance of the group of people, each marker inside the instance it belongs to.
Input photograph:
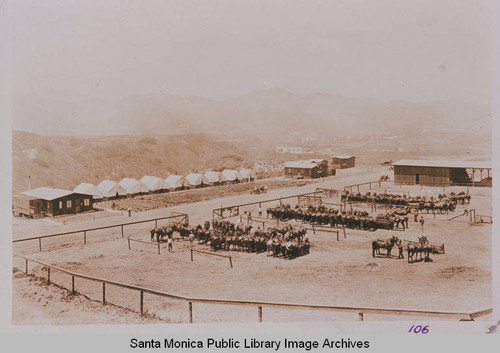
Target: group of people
(442, 203)
(353, 219)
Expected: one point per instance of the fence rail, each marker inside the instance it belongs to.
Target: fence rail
(219, 212)
(183, 218)
(361, 311)
(211, 254)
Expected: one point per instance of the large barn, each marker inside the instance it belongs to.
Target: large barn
(442, 172)
(342, 161)
(310, 169)
(51, 202)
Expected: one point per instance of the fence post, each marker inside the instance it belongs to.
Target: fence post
(156, 223)
(159, 248)
(142, 303)
(84, 237)
(337, 235)
(40, 244)
(103, 293)
(191, 254)
(73, 284)
(314, 230)
(26, 266)
(361, 318)
(190, 312)
(48, 275)
(260, 314)
(122, 230)
(128, 240)
(231, 261)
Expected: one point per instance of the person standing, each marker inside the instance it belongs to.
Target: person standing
(169, 243)
(422, 222)
(129, 210)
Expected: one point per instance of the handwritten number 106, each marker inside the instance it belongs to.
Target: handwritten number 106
(419, 329)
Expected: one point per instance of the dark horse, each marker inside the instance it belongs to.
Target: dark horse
(387, 244)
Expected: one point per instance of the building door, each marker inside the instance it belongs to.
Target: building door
(417, 179)
(78, 204)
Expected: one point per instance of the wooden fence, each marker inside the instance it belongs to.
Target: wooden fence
(361, 311)
(178, 218)
(234, 210)
(211, 254)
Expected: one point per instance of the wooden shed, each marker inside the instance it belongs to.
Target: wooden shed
(309, 169)
(442, 172)
(343, 161)
(51, 202)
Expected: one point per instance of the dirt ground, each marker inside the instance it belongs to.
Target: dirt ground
(342, 273)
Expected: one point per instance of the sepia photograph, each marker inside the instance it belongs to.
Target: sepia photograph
(285, 161)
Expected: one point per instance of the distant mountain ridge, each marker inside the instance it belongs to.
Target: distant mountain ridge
(261, 113)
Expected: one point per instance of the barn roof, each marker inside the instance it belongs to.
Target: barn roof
(443, 163)
(46, 193)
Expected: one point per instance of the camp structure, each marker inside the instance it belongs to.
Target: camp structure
(212, 178)
(442, 172)
(174, 182)
(246, 174)
(230, 176)
(312, 168)
(343, 161)
(45, 201)
(133, 186)
(89, 189)
(196, 180)
(111, 189)
(154, 184)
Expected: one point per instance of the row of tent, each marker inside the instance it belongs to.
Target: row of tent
(152, 184)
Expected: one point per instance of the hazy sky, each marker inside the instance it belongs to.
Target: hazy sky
(392, 50)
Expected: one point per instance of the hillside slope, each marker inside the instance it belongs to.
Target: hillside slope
(65, 162)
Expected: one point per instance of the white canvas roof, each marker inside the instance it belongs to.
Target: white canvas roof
(212, 177)
(46, 193)
(89, 189)
(245, 173)
(230, 175)
(133, 186)
(195, 179)
(109, 188)
(174, 181)
(443, 163)
(153, 183)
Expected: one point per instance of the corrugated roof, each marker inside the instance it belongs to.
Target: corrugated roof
(46, 193)
(444, 163)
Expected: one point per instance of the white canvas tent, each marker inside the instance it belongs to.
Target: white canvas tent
(212, 178)
(230, 176)
(154, 184)
(196, 180)
(174, 182)
(110, 188)
(89, 189)
(245, 174)
(133, 186)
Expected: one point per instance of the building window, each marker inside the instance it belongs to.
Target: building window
(60, 204)
(68, 204)
(86, 202)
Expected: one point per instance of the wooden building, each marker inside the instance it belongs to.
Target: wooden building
(343, 161)
(442, 172)
(51, 202)
(310, 169)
